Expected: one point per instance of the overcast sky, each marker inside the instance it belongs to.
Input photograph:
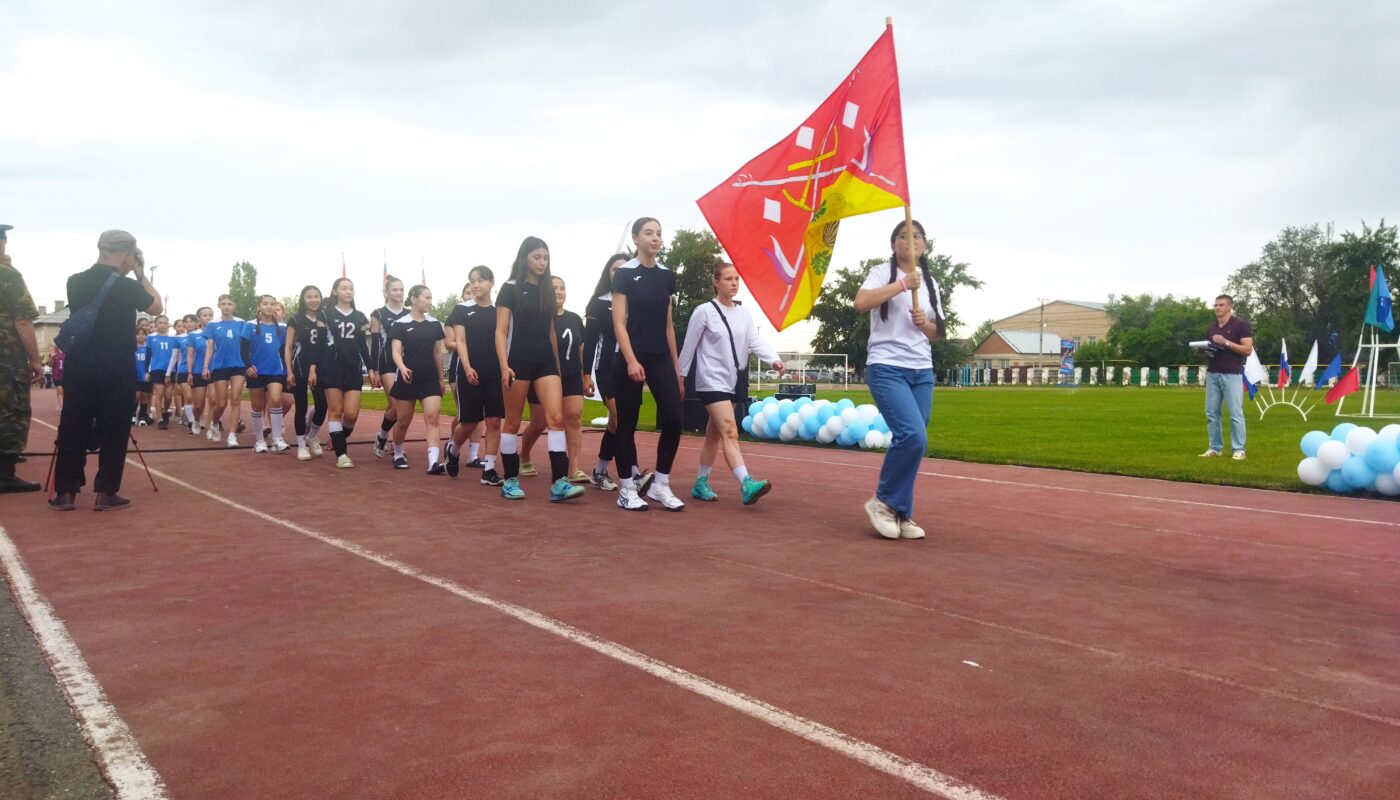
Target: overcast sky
(1065, 150)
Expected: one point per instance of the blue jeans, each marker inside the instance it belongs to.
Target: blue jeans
(1227, 388)
(905, 397)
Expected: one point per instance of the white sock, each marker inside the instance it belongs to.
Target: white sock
(704, 472)
(662, 479)
(602, 466)
(473, 451)
(636, 471)
(741, 472)
(334, 426)
(510, 444)
(490, 462)
(189, 413)
(312, 430)
(556, 440)
(433, 454)
(277, 425)
(398, 450)
(627, 483)
(257, 422)
(451, 448)
(301, 441)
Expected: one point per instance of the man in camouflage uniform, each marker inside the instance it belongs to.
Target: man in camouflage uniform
(19, 367)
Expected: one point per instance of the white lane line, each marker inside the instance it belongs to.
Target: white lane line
(912, 772)
(119, 756)
(1102, 493)
(1280, 694)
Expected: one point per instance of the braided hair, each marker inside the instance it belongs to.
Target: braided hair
(923, 268)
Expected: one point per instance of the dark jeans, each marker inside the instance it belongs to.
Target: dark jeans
(318, 417)
(97, 405)
(661, 377)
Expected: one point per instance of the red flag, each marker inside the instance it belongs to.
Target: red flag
(1349, 383)
(1372, 284)
(777, 216)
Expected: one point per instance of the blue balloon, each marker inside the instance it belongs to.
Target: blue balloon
(880, 424)
(774, 426)
(858, 430)
(1357, 474)
(769, 403)
(1382, 456)
(844, 403)
(845, 439)
(809, 428)
(747, 425)
(803, 401)
(1337, 483)
(1340, 432)
(1311, 441)
(785, 407)
(825, 413)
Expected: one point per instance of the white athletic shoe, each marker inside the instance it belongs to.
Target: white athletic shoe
(629, 500)
(908, 529)
(212, 434)
(259, 447)
(882, 518)
(661, 493)
(195, 429)
(344, 462)
(381, 447)
(279, 445)
(233, 440)
(303, 454)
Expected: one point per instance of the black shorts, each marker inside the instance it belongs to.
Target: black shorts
(710, 398)
(423, 386)
(226, 373)
(156, 376)
(182, 377)
(57, 382)
(603, 380)
(262, 381)
(197, 380)
(336, 375)
(573, 385)
(143, 386)
(529, 369)
(481, 401)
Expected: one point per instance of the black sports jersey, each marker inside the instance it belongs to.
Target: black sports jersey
(648, 291)
(308, 340)
(418, 338)
(456, 317)
(347, 339)
(568, 328)
(479, 324)
(383, 360)
(599, 340)
(529, 329)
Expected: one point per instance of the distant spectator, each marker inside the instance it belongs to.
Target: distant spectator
(19, 368)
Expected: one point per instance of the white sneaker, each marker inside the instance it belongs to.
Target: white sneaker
(1212, 453)
(259, 447)
(629, 500)
(280, 445)
(233, 440)
(603, 481)
(212, 434)
(315, 447)
(1238, 455)
(303, 454)
(661, 493)
(381, 447)
(195, 429)
(882, 517)
(908, 529)
(344, 462)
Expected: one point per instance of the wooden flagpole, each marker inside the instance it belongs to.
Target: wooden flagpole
(909, 224)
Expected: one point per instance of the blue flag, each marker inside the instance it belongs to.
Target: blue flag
(1334, 370)
(1378, 310)
(1249, 388)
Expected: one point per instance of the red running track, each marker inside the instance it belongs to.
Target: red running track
(268, 628)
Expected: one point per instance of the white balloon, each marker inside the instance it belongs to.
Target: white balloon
(889, 440)
(838, 424)
(807, 412)
(787, 434)
(873, 439)
(1390, 433)
(868, 413)
(1312, 472)
(1333, 453)
(1396, 472)
(849, 415)
(760, 424)
(825, 436)
(1387, 485)
(1358, 439)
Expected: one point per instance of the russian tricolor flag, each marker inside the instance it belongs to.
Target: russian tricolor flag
(1283, 370)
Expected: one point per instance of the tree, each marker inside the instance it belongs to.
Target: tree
(982, 332)
(443, 309)
(693, 255)
(1095, 354)
(242, 287)
(1157, 331)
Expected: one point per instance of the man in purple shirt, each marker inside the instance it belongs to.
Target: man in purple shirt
(1231, 341)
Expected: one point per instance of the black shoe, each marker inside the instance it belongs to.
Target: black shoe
(14, 484)
(110, 502)
(400, 462)
(241, 427)
(477, 463)
(644, 482)
(63, 501)
(454, 462)
(163, 425)
(490, 478)
(437, 469)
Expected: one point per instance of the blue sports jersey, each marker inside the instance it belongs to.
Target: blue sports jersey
(265, 346)
(196, 340)
(143, 362)
(162, 350)
(225, 338)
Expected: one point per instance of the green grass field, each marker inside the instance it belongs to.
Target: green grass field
(1147, 432)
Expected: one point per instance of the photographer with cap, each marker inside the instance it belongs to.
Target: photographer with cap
(99, 380)
(19, 367)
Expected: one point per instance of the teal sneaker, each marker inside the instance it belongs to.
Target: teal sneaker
(511, 490)
(754, 489)
(563, 490)
(702, 491)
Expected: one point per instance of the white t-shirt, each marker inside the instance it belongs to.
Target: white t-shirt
(707, 344)
(895, 341)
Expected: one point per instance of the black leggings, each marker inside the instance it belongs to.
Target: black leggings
(318, 394)
(661, 377)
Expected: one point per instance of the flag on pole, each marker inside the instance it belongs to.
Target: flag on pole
(1283, 371)
(1378, 307)
(342, 265)
(1254, 371)
(1333, 370)
(777, 216)
(1348, 384)
(1305, 378)
(384, 282)
(1249, 388)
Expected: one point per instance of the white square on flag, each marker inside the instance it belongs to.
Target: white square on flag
(849, 118)
(772, 211)
(804, 137)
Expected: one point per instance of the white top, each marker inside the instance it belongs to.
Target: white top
(895, 341)
(707, 344)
